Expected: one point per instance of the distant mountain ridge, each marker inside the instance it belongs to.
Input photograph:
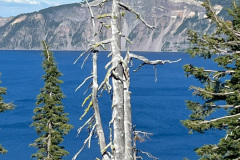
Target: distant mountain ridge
(68, 27)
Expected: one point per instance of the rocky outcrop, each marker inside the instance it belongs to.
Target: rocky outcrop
(4, 20)
(68, 27)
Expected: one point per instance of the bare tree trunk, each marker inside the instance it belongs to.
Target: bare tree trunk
(49, 141)
(127, 116)
(118, 108)
(99, 128)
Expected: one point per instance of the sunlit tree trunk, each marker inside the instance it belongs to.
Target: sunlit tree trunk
(127, 114)
(117, 103)
(99, 127)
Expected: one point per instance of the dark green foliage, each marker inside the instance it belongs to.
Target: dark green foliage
(50, 120)
(3, 107)
(220, 88)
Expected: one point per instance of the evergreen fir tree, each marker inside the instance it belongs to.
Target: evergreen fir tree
(50, 120)
(3, 107)
(221, 88)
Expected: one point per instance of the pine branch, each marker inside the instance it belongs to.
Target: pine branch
(216, 119)
(214, 46)
(223, 106)
(220, 22)
(223, 72)
(211, 93)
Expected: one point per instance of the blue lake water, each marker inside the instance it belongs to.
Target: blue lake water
(157, 107)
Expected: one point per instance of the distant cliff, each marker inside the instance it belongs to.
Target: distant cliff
(68, 27)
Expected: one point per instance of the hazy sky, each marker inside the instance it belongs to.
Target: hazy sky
(14, 7)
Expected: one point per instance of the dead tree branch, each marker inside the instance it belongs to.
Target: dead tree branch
(85, 59)
(85, 100)
(94, 46)
(91, 133)
(148, 154)
(87, 140)
(91, 119)
(105, 84)
(140, 136)
(94, 102)
(92, 18)
(83, 83)
(128, 8)
(105, 15)
(145, 61)
(101, 4)
(82, 55)
(127, 39)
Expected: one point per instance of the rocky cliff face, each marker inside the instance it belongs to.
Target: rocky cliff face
(4, 20)
(68, 27)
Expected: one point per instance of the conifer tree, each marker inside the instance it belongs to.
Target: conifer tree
(3, 107)
(220, 88)
(50, 120)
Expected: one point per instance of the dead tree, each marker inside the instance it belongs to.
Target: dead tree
(120, 146)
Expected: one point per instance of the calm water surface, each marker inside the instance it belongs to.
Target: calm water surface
(157, 107)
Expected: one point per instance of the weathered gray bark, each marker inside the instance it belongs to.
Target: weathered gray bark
(127, 112)
(121, 145)
(99, 128)
(49, 141)
(117, 101)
